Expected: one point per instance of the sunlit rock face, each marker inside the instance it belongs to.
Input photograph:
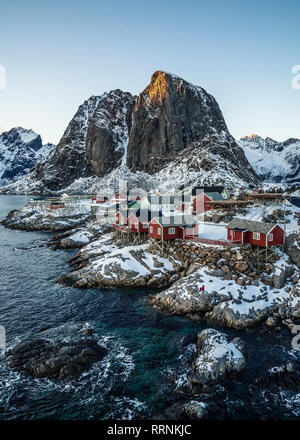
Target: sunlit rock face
(170, 116)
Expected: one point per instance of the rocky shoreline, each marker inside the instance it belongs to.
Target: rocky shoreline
(29, 219)
(242, 291)
(232, 287)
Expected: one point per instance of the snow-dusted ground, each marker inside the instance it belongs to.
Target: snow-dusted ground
(257, 213)
(127, 266)
(212, 231)
(227, 302)
(125, 259)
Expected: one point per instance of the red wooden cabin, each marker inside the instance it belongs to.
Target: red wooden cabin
(121, 218)
(138, 224)
(199, 204)
(56, 205)
(172, 227)
(204, 194)
(261, 234)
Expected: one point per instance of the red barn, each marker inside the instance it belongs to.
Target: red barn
(172, 227)
(261, 234)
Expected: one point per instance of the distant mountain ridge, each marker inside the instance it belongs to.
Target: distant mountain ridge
(274, 162)
(20, 150)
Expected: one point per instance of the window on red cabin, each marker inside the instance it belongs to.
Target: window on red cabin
(256, 236)
(159, 231)
(136, 225)
(145, 225)
(270, 237)
(151, 229)
(171, 231)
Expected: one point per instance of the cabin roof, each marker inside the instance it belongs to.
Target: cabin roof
(146, 215)
(251, 225)
(197, 190)
(215, 195)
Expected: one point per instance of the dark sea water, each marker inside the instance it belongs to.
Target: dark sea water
(143, 343)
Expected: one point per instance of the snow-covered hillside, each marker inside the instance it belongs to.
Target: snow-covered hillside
(20, 150)
(277, 162)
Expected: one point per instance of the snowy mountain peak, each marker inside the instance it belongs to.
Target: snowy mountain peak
(274, 162)
(20, 150)
(20, 135)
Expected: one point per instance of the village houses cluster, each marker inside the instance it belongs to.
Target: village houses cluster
(168, 217)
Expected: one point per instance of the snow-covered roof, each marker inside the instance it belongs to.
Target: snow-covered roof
(251, 225)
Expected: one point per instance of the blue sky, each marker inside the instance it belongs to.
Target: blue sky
(56, 54)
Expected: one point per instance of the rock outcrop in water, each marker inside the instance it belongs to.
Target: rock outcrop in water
(241, 291)
(217, 359)
(28, 219)
(62, 361)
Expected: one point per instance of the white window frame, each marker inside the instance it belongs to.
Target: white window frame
(171, 231)
(136, 225)
(159, 231)
(270, 237)
(256, 236)
(151, 229)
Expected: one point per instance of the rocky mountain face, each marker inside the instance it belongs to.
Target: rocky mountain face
(68, 160)
(108, 132)
(275, 162)
(174, 123)
(20, 150)
(94, 143)
(171, 136)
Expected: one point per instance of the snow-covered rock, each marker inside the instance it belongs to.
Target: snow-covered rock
(130, 266)
(226, 302)
(20, 150)
(217, 358)
(293, 248)
(273, 161)
(38, 217)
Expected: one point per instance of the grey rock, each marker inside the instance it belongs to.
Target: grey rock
(217, 358)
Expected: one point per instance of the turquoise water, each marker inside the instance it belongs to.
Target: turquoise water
(131, 382)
